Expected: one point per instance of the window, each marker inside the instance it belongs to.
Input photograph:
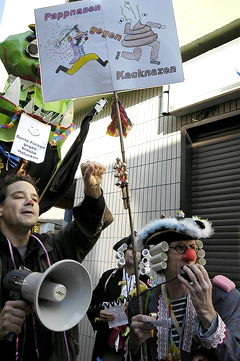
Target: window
(210, 188)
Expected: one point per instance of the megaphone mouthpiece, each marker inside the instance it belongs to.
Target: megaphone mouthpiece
(52, 291)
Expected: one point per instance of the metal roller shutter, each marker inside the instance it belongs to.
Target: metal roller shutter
(212, 163)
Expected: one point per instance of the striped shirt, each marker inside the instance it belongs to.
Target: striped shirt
(179, 309)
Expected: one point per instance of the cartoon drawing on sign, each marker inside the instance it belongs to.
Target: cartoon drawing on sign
(139, 35)
(34, 131)
(79, 56)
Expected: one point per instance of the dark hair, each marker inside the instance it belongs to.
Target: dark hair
(10, 179)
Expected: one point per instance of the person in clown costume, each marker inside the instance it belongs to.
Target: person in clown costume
(188, 316)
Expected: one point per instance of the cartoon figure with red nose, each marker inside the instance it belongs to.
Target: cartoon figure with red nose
(80, 57)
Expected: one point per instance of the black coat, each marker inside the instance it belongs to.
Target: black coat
(73, 242)
(107, 289)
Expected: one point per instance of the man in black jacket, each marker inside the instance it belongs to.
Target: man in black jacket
(113, 283)
(19, 247)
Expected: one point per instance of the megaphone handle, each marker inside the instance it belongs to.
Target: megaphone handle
(10, 337)
(13, 296)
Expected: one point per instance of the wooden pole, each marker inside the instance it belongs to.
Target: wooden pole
(128, 201)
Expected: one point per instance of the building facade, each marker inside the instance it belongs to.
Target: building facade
(183, 151)
(158, 178)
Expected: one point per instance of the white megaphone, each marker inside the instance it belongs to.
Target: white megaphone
(61, 295)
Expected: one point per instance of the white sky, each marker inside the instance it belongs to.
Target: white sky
(17, 15)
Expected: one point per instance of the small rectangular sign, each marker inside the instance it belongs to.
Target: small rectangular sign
(31, 139)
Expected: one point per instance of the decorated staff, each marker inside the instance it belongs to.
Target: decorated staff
(124, 184)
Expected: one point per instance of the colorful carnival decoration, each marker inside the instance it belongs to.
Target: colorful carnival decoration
(21, 99)
(23, 92)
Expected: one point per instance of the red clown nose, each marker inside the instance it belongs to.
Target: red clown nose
(189, 255)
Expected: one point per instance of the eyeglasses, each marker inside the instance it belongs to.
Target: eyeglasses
(181, 248)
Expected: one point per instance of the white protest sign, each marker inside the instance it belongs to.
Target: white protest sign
(95, 47)
(31, 139)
